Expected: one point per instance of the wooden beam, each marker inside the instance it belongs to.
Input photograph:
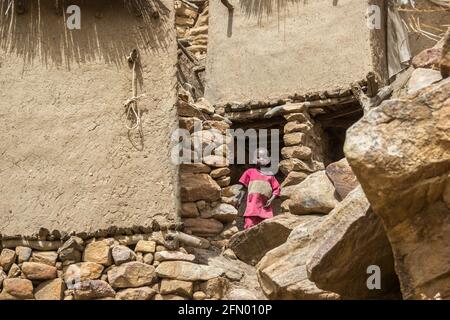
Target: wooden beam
(227, 4)
(303, 106)
(189, 55)
(341, 113)
(367, 102)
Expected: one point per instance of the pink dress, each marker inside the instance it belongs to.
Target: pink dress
(260, 188)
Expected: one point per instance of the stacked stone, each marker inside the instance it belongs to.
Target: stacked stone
(205, 211)
(204, 174)
(192, 25)
(186, 14)
(303, 150)
(109, 268)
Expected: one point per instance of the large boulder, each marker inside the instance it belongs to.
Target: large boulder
(282, 271)
(400, 153)
(342, 177)
(350, 239)
(252, 244)
(194, 187)
(316, 194)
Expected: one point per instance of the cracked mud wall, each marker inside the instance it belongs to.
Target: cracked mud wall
(66, 160)
(261, 53)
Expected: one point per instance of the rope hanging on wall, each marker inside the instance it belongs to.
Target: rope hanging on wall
(132, 111)
(131, 107)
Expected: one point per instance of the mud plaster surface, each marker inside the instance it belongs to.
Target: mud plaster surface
(66, 162)
(257, 54)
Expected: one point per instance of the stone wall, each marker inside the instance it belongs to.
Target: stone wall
(207, 199)
(303, 153)
(151, 266)
(68, 163)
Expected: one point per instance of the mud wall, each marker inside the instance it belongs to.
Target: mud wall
(262, 52)
(431, 18)
(67, 161)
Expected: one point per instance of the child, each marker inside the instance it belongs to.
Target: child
(262, 187)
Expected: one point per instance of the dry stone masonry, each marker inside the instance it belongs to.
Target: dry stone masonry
(139, 267)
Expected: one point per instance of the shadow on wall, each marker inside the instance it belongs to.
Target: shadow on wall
(41, 33)
(265, 8)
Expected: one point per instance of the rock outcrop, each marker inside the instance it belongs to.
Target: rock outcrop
(252, 244)
(350, 240)
(282, 271)
(400, 153)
